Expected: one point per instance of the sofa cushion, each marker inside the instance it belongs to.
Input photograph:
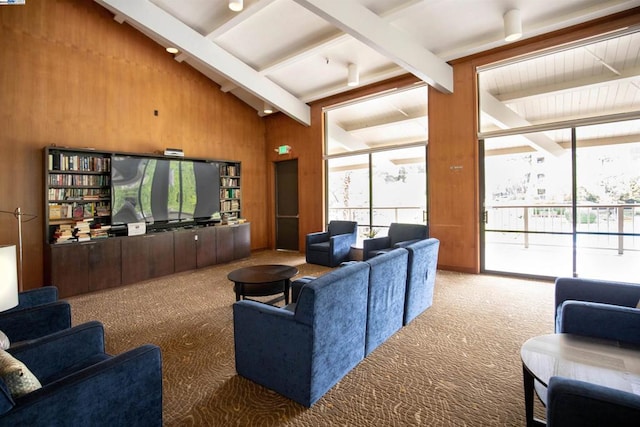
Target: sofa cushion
(323, 247)
(17, 376)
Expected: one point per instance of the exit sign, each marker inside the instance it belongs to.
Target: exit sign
(284, 149)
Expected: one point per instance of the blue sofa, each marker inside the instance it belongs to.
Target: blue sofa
(82, 385)
(38, 313)
(331, 247)
(421, 277)
(399, 236)
(303, 350)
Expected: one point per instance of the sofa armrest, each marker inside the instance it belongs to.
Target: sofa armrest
(597, 320)
(123, 390)
(62, 349)
(36, 322)
(33, 297)
(405, 243)
(578, 403)
(375, 244)
(320, 236)
(296, 286)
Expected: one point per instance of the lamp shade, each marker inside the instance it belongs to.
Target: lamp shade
(8, 278)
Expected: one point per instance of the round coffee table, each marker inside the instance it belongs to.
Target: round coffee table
(263, 280)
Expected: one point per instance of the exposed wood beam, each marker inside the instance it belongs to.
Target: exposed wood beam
(506, 118)
(167, 27)
(367, 27)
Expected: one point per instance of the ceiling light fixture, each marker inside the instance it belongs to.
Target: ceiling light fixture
(353, 78)
(512, 25)
(235, 5)
(267, 109)
(172, 50)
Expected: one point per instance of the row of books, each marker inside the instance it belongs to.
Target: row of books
(77, 194)
(81, 231)
(229, 170)
(78, 210)
(230, 205)
(78, 162)
(229, 182)
(229, 193)
(79, 180)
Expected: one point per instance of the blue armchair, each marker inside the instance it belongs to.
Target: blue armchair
(301, 351)
(573, 403)
(83, 385)
(331, 247)
(421, 277)
(399, 236)
(38, 313)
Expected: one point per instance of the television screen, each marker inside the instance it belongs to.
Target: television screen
(160, 190)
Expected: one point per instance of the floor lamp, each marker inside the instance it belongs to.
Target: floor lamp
(20, 217)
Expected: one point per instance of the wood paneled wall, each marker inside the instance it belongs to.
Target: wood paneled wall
(72, 76)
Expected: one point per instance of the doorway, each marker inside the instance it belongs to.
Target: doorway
(286, 173)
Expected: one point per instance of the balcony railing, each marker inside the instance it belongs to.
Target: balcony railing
(598, 225)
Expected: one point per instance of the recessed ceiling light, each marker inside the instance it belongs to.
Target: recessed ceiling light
(172, 50)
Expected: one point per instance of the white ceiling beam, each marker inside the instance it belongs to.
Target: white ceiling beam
(194, 44)
(238, 18)
(570, 85)
(506, 118)
(385, 122)
(367, 27)
(343, 138)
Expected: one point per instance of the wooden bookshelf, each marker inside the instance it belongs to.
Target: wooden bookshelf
(230, 194)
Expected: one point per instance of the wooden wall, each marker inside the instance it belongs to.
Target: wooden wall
(72, 76)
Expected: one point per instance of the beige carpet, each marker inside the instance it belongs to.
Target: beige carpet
(457, 364)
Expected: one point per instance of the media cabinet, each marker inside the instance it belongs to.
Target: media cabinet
(79, 190)
(77, 268)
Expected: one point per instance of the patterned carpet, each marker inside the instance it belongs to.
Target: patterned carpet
(457, 364)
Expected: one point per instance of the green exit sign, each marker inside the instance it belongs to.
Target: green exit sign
(284, 149)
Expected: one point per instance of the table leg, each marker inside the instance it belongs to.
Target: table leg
(528, 381)
(239, 291)
(287, 284)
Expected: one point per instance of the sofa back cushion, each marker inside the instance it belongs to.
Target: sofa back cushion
(421, 277)
(342, 227)
(387, 287)
(402, 232)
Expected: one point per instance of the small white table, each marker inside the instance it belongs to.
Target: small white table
(596, 361)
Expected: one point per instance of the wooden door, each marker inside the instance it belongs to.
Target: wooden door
(287, 205)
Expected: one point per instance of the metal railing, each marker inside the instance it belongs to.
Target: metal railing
(598, 223)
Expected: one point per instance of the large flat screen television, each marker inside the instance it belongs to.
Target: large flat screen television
(160, 190)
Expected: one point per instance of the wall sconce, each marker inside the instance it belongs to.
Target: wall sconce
(235, 5)
(512, 25)
(8, 278)
(353, 77)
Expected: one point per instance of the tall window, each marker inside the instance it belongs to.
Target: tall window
(560, 132)
(376, 160)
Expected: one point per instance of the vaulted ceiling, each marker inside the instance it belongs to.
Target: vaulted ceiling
(287, 53)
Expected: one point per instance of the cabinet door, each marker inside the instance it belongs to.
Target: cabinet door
(224, 244)
(206, 244)
(70, 269)
(241, 241)
(185, 243)
(104, 264)
(161, 250)
(135, 259)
